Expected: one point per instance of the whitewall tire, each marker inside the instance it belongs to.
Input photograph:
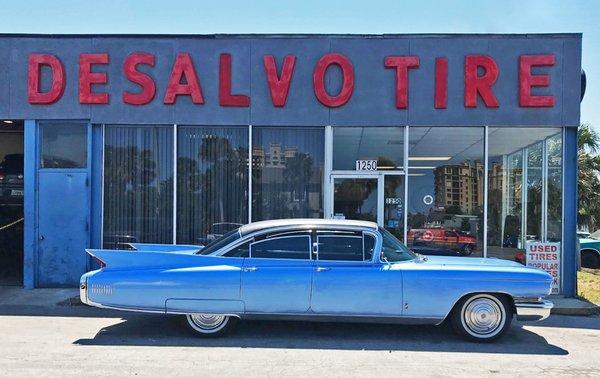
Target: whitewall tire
(482, 317)
(210, 325)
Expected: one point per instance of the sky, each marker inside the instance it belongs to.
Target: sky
(314, 16)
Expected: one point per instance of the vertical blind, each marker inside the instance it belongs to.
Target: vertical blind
(138, 185)
(287, 173)
(212, 181)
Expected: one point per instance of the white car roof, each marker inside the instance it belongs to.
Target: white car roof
(263, 225)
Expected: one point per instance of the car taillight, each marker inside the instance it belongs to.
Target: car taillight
(99, 262)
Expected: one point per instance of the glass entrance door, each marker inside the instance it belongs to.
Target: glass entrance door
(375, 197)
(355, 198)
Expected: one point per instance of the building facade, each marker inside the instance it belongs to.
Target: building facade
(178, 139)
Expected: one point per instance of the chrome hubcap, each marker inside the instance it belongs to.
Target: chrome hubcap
(483, 316)
(207, 321)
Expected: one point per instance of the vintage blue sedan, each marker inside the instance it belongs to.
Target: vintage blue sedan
(315, 269)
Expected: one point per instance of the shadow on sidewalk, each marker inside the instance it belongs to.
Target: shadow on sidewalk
(169, 331)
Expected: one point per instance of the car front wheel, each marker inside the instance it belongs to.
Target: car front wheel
(482, 317)
(210, 325)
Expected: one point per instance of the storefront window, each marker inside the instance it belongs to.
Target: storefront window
(287, 173)
(383, 144)
(138, 185)
(64, 145)
(555, 172)
(524, 183)
(212, 182)
(445, 190)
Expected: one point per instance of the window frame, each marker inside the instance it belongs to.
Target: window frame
(376, 244)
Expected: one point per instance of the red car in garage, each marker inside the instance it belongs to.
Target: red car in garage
(459, 242)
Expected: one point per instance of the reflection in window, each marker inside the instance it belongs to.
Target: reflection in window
(554, 156)
(384, 144)
(212, 182)
(534, 191)
(290, 247)
(138, 185)
(64, 145)
(445, 191)
(517, 187)
(287, 173)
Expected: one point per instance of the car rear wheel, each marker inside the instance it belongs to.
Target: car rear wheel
(210, 325)
(482, 317)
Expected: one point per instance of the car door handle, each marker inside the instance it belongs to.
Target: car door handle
(322, 269)
(249, 269)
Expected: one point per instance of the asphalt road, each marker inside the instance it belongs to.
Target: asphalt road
(81, 341)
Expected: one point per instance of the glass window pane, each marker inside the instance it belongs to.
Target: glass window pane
(445, 190)
(554, 151)
(290, 247)
(515, 189)
(355, 199)
(64, 145)
(212, 182)
(138, 185)
(384, 144)
(287, 173)
(341, 248)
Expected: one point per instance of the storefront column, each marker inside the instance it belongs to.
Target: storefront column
(29, 203)
(570, 251)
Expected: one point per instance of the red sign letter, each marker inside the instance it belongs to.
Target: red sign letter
(279, 86)
(143, 80)
(36, 61)
(401, 64)
(183, 69)
(319, 80)
(225, 96)
(482, 85)
(441, 83)
(528, 80)
(87, 78)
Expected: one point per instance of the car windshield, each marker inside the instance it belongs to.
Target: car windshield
(220, 242)
(392, 249)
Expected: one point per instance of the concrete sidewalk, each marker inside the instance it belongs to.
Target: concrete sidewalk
(17, 296)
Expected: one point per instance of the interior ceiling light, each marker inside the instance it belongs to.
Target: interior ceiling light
(429, 158)
(7, 121)
(422, 167)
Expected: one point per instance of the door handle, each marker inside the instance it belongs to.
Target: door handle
(249, 269)
(322, 269)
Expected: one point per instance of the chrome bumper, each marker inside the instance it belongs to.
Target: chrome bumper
(533, 311)
(83, 290)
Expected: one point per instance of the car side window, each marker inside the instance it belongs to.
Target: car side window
(282, 247)
(242, 250)
(345, 247)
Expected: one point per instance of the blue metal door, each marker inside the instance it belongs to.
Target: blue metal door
(63, 232)
(63, 203)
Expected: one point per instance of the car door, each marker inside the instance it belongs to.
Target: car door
(350, 279)
(277, 275)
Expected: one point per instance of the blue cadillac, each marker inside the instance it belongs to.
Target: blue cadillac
(315, 269)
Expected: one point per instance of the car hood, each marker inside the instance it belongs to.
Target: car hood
(471, 261)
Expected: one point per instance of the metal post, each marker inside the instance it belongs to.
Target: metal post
(406, 167)
(175, 184)
(250, 160)
(485, 189)
(328, 166)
